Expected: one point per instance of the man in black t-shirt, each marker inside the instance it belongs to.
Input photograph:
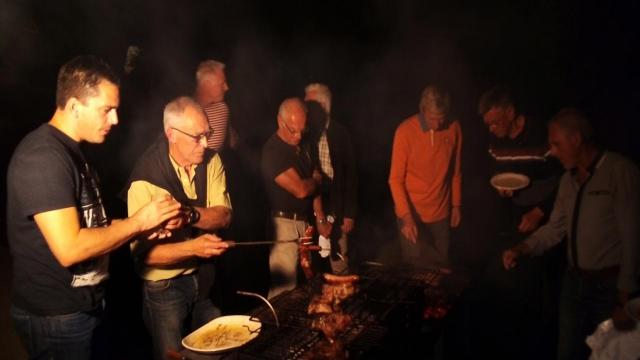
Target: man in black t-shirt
(58, 231)
(291, 181)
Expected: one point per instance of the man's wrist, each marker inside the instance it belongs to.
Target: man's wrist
(407, 219)
(193, 215)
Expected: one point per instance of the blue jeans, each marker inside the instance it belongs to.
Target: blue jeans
(172, 309)
(584, 303)
(72, 336)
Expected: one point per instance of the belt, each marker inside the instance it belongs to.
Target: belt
(600, 274)
(289, 215)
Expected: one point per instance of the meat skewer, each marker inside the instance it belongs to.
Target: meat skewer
(304, 253)
(249, 243)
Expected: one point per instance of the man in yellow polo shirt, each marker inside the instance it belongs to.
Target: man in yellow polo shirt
(176, 277)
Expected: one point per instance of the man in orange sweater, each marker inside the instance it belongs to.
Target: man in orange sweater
(425, 180)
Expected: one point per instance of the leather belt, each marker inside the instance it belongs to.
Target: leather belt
(289, 215)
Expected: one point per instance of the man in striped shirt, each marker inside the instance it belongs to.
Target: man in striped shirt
(210, 90)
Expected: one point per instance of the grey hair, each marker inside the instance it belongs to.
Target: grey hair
(284, 111)
(434, 98)
(324, 95)
(498, 96)
(574, 121)
(175, 108)
(208, 67)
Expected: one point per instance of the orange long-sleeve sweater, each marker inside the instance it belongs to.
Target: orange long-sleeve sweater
(425, 169)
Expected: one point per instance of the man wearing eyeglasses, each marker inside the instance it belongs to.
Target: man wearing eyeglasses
(177, 281)
(291, 182)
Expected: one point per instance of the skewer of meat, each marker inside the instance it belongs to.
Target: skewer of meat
(304, 253)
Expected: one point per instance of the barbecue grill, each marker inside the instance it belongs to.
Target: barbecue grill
(387, 311)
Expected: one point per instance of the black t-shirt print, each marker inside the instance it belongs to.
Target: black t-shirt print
(92, 214)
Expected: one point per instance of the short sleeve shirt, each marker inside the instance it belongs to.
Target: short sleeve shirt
(48, 172)
(277, 157)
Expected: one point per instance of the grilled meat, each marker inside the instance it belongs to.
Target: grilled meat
(331, 325)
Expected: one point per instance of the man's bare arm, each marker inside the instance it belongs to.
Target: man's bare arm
(213, 218)
(71, 244)
(291, 181)
(204, 246)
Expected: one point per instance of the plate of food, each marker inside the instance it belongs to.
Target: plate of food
(510, 181)
(223, 333)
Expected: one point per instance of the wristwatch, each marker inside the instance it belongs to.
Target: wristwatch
(193, 215)
(328, 219)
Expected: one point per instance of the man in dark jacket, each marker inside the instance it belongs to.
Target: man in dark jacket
(337, 160)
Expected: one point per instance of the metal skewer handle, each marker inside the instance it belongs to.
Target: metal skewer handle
(275, 316)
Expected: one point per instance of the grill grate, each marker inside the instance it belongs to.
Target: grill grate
(384, 297)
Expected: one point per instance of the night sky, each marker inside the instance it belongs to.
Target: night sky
(375, 55)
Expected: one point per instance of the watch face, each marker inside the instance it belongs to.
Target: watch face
(330, 219)
(194, 216)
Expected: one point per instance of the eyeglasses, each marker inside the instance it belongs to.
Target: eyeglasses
(293, 132)
(196, 138)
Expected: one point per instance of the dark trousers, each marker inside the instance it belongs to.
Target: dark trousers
(585, 302)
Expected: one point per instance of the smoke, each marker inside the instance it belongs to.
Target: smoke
(376, 56)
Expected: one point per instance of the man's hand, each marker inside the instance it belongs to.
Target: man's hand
(159, 210)
(324, 228)
(456, 216)
(171, 224)
(176, 222)
(505, 193)
(208, 245)
(159, 234)
(347, 225)
(531, 220)
(409, 229)
(510, 256)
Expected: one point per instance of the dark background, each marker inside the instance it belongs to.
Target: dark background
(376, 56)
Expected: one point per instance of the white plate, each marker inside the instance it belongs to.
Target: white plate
(223, 333)
(510, 181)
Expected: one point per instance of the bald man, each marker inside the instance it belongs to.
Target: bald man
(291, 182)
